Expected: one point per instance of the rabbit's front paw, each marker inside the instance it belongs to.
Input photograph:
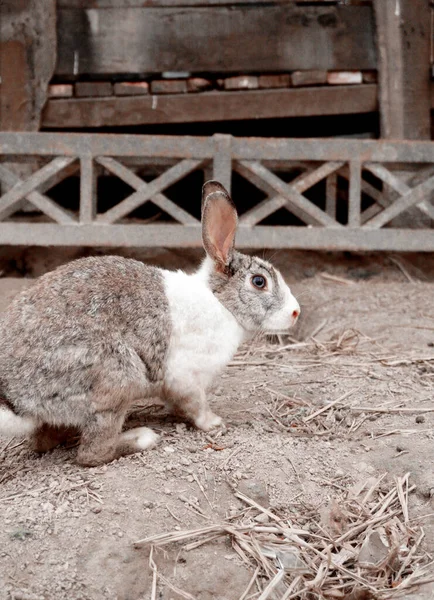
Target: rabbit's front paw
(208, 421)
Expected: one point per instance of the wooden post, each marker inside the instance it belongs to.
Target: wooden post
(222, 168)
(27, 62)
(403, 43)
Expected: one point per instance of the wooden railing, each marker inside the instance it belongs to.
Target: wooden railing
(385, 180)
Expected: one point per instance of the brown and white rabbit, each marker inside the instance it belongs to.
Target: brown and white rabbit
(86, 341)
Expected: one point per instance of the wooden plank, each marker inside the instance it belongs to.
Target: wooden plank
(93, 89)
(355, 193)
(305, 78)
(169, 86)
(297, 149)
(399, 186)
(225, 39)
(331, 195)
(176, 236)
(131, 88)
(164, 148)
(88, 183)
(293, 197)
(74, 144)
(164, 3)
(387, 177)
(274, 81)
(403, 33)
(23, 188)
(146, 191)
(13, 178)
(241, 82)
(43, 203)
(222, 163)
(210, 106)
(413, 196)
(172, 209)
(270, 204)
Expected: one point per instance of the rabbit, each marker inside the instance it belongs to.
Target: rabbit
(87, 340)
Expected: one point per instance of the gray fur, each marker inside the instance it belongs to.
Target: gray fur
(91, 336)
(249, 306)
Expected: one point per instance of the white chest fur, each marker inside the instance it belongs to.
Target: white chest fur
(205, 335)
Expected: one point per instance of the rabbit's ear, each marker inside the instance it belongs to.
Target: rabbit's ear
(219, 223)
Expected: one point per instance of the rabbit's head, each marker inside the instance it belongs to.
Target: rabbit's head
(249, 287)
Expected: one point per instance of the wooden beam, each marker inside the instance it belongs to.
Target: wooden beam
(222, 164)
(85, 4)
(73, 113)
(225, 39)
(403, 39)
(178, 236)
(165, 149)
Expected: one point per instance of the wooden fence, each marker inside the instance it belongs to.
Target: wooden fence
(385, 180)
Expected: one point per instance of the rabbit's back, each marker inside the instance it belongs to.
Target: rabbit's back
(98, 322)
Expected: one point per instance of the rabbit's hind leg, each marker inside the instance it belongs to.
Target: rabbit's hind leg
(102, 440)
(47, 437)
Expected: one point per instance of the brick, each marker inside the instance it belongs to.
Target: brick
(241, 82)
(169, 86)
(344, 77)
(369, 76)
(61, 90)
(274, 81)
(131, 88)
(199, 84)
(85, 89)
(305, 78)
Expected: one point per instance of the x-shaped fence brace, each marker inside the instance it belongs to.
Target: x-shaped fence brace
(219, 157)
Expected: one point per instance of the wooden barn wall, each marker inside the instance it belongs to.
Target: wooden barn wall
(27, 61)
(123, 37)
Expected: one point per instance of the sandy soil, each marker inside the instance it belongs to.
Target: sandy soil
(68, 532)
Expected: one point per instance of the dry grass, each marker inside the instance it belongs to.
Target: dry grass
(362, 546)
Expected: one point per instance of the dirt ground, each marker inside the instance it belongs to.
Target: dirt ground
(367, 331)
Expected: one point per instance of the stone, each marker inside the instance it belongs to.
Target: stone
(255, 490)
(374, 550)
(290, 559)
(262, 518)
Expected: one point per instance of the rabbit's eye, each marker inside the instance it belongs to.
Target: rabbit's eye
(259, 282)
